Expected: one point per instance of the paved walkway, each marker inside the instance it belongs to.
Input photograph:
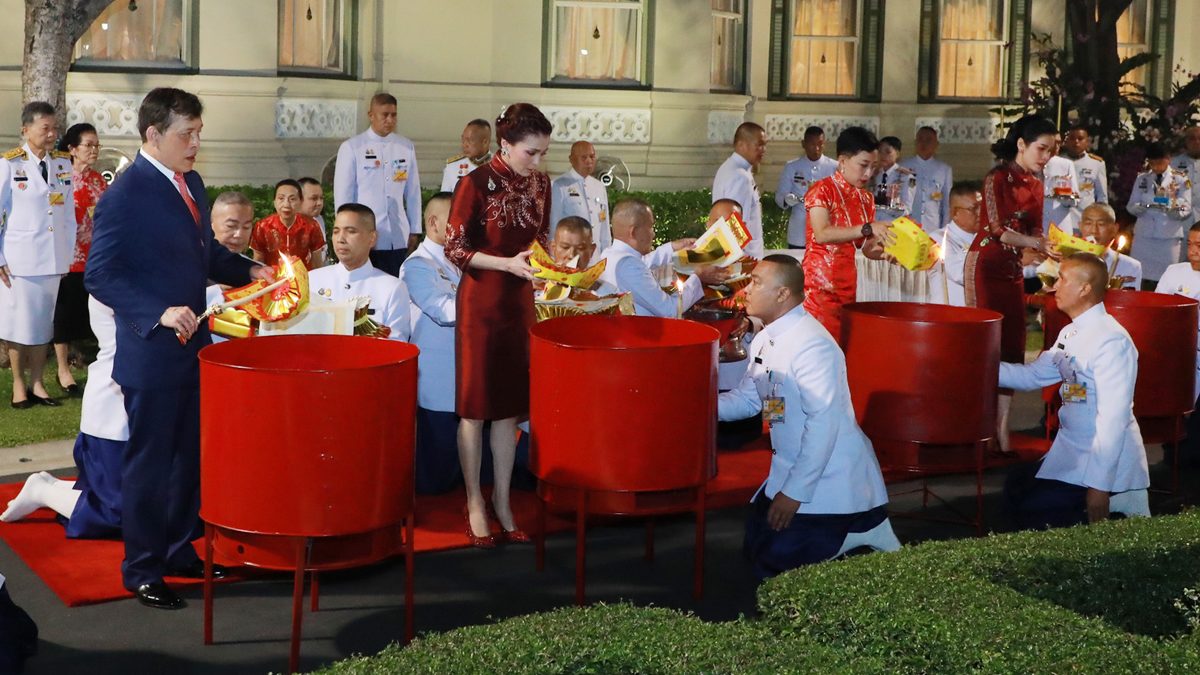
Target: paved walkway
(47, 456)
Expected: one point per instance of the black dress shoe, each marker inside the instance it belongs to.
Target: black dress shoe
(159, 596)
(23, 405)
(196, 571)
(72, 389)
(43, 401)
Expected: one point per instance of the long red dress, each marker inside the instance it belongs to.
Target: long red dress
(497, 212)
(830, 277)
(1012, 200)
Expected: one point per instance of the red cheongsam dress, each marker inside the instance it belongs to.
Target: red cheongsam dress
(271, 237)
(830, 278)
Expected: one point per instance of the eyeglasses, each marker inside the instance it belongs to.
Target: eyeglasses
(972, 209)
(89, 146)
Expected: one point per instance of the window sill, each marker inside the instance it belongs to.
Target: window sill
(314, 74)
(825, 99)
(134, 67)
(624, 85)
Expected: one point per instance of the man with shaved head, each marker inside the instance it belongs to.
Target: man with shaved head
(578, 193)
(1099, 223)
(1097, 463)
(735, 180)
(824, 489)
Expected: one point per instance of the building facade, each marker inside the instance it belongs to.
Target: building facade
(659, 84)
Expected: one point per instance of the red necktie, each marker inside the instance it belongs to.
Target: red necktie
(187, 198)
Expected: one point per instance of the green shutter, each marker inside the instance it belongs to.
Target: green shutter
(778, 58)
(927, 59)
(1162, 42)
(1018, 66)
(872, 51)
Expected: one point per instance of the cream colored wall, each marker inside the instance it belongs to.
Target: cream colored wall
(452, 60)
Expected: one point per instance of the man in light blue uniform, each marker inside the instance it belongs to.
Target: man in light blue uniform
(797, 177)
(824, 494)
(1097, 462)
(378, 169)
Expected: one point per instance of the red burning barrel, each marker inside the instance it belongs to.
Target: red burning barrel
(1163, 328)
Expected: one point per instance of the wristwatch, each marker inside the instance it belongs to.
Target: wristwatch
(867, 230)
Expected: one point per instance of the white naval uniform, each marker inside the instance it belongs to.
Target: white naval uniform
(1099, 444)
(931, 204)
(1093, 180)
(956, 243)
(457, 167)
(1064, 212)
(1159, 234)
(389, 297)
(37, 241)
(735, 180)
(1125, 266)
(627, 272)
(103, 414)
(821, 457)
(1181, 279)
(1187, 165)
(432, 289)
(797, 177)
(900, 180)
(381, 173)
(583, 196)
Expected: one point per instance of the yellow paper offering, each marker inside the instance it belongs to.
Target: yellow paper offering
(560, 274)
(914, 250)
(1069, 243)
(720, 245)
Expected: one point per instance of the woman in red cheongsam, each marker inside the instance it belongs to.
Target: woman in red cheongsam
(498, 211)
(841, 218)
(1010, 219)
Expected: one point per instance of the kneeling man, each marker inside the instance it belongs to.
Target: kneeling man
(1097, 462)
(354, 276)
(824, 485)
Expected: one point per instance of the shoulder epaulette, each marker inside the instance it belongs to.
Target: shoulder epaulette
(60, 154)
(904, 169)
(15, 153)
(1096, 157)
(455, 158)
(1179, 172)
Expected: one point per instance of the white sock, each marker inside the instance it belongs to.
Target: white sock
(31, 498)
(58, 482)
(62, 499)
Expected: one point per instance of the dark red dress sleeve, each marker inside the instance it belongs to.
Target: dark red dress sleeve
(465, 223)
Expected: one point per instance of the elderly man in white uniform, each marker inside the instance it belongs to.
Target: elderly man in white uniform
(1184, 279)
(232, 223)
(353, 276)
(578, 193)
(37, 242)
(633, 237)
(1099, 223)
(931, 204)
(824, 494)
(799, 175)
(735, 180)
(955, 240)
(1162, 201)
(1097, 463)
(476, 143)
(378, 169)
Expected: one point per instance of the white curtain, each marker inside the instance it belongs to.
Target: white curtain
(153, 32)
(310, 34)
(880, 281)
(597, 43)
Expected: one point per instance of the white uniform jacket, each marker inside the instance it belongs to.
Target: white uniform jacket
(627, 272)
(1063, 211)
(456, 168)
(956, 243)
(894, 191)
(37, 217)
(1093, 180)
(432, 289)
(381, 173)
(583, 196)
(1099, 444)
(820, 456)
(1191, 167)
(1173, 189)
(103, 413)
(735, 180)
(797, 177)
(1181, 279)
(389, 297)
(1124, 266)
(931, 204)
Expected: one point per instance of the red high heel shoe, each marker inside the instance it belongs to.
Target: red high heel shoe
(513, 536)
(486, 541)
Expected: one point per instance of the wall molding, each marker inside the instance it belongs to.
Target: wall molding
(315, 118)
(112, 115)
(722, 124)
(611, 126)
(791, 127)
(962, 130)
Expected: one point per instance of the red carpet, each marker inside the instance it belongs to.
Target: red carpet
(83, 572)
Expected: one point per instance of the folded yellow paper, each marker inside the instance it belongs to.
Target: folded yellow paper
(568, 276)
(913, 249)
(1069, 243)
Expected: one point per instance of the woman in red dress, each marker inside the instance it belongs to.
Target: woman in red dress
(498, 211)
(70, 309)
(841, 218)
(1010, 220)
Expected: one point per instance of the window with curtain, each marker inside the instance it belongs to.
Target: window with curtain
(971, 54)
(313, 36)
(824, 47)
(150, 33)
(728, 45)
(597, 42)
(1133, 37)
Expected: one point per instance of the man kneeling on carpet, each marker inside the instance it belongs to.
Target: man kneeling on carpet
(1097, 463)
(824, 494)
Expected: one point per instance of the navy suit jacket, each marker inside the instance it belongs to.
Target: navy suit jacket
(148, 254)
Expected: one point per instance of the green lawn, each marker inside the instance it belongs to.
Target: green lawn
(39, 423)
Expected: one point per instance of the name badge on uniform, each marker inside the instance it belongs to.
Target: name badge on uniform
(1074, 392)
(572, 192)
(57, 198)
(774, 410)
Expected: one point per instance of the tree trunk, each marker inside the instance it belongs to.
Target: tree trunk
(1093, 34)
(51, 29)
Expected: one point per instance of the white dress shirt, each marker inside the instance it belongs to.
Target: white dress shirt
(389, 297)
(735, 180)
(1181, 279)
(1093, 180)
(1099, 444)
(1063, 212)
(433, 289)
(583, 196)
(381, 173)
(1121, 265)
(797, 177)
(456, 168)
(820, 457)
(628, 273)
(931, 204)
(956, 243)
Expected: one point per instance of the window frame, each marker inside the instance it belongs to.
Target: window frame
(870, 49)
(349, 47)
(1016, 62)
(190, 43)
(743, 18)
(550, 44)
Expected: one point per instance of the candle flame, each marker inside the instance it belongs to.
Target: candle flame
(1121, 243)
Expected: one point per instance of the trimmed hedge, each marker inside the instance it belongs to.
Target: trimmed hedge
(1115, 597)
(678, 214)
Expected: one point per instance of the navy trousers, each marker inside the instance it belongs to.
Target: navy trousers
(810, 538)
(1038, 503)
(97, 513)
(160, 483)
(388, 260)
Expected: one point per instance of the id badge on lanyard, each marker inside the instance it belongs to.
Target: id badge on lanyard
(774, 410)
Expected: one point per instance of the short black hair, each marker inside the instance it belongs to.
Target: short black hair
(1156, 151)
(363, 211)
(289, 182)
(892, 141)
(576, 224)
(307, 180)
(163, 103)
(35, 109)
(813, 131)
(791, 273)
(480, 122)
(854, 140)
(74, 136)
(383, 98)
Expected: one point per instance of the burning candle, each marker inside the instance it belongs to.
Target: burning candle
(942, 260)
(679, 298)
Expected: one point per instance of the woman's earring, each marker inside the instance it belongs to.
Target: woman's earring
(504, 152)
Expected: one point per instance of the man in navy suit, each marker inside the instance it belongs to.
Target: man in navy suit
(152, 254)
